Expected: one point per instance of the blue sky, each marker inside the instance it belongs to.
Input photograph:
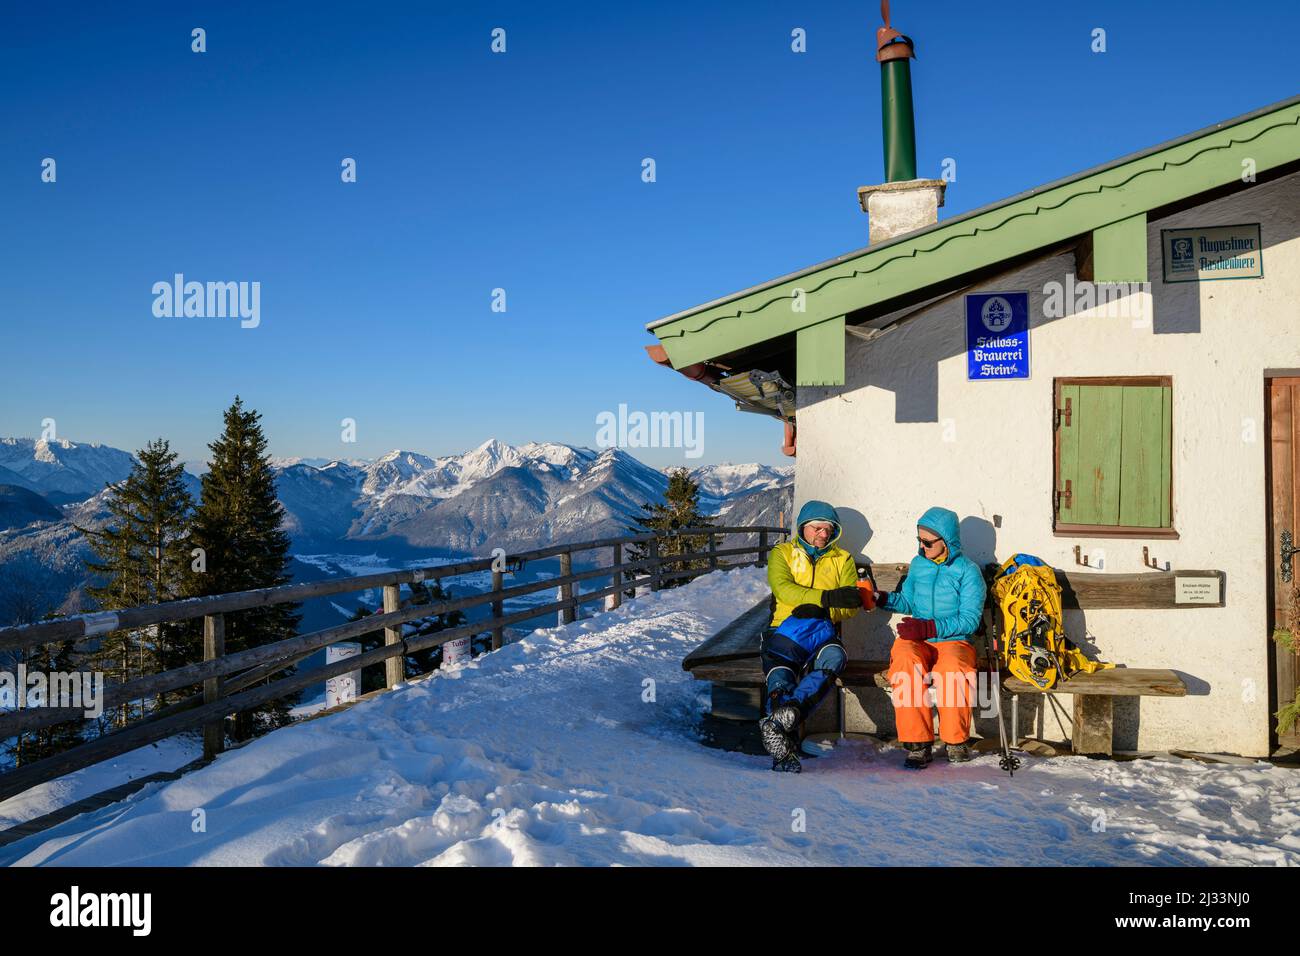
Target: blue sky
(520, 171)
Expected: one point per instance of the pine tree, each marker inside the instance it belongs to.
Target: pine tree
(679, 509)
(143, 553)
(238, 526)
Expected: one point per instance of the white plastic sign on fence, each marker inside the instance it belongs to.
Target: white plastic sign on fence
(345, 687)
(455, 651)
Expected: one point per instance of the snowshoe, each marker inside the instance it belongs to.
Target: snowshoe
(790, 764)
(918, 756)
(958, 753)
(777, 732)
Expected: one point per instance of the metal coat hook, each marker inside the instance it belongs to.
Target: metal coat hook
(1152, 562)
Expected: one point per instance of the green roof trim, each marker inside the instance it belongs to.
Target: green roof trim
(1120, 251)
(1108, 201)
(819, 353)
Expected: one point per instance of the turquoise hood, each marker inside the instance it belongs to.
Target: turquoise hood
(819, 511)
(950, 594)
(943, 522)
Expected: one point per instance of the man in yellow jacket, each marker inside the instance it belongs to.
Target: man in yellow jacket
(814, 588)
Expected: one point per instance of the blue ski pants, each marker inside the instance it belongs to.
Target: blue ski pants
(796, 674)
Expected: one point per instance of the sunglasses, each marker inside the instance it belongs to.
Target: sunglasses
(927, 543)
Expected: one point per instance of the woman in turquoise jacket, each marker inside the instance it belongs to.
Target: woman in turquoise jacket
(943, 596)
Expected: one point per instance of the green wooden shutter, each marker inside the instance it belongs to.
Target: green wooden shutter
(1114, 451)
(1067, 452)
(1090, 454)
(1144, 457)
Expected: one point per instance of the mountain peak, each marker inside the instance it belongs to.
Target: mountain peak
(402, 454)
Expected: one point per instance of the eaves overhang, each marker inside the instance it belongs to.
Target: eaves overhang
(1108, 203)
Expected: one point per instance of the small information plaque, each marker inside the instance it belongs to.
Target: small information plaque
(1199, 589)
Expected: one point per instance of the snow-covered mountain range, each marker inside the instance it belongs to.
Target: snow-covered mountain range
(61, 471)
(496, 495)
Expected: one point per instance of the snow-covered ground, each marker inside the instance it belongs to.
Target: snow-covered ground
(549, 752)
(170, 754)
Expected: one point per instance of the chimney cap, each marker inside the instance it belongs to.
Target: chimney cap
(890, 44)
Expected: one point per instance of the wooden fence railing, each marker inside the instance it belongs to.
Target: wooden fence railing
(229, 683)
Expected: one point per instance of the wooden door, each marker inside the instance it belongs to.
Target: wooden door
(1282, 407)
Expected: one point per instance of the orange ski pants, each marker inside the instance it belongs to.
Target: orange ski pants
(951, 665)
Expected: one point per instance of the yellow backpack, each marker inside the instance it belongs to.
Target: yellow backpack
(1034, 646)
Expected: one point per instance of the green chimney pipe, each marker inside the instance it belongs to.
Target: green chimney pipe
(898, 124)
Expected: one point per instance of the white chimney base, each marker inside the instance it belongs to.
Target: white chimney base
(899, 208)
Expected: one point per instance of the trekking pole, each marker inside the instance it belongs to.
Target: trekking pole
(1008, 762)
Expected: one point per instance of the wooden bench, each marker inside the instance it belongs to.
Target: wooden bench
(729, 659)
(1093, 725)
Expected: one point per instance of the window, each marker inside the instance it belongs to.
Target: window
(1113, 456)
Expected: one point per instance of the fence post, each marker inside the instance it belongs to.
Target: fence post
(567, 614)
(616, 599)
(497, 607)
(395, 666)
(713, 558)
(653, 549)
(762, 548)
(214, 646)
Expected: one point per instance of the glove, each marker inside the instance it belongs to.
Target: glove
(845, 597)
(916, 629)
(809, 611)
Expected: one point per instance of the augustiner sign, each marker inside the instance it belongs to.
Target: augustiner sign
(1212, 252)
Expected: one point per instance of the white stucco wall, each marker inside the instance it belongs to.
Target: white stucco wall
(908, 430)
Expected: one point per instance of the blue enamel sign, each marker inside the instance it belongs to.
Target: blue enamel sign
(997, 335)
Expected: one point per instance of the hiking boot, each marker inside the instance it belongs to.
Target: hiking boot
(918, 756)
(777, 732)
(787, 715)
(958, 753)
(790, 764)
